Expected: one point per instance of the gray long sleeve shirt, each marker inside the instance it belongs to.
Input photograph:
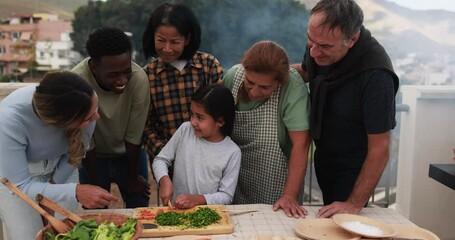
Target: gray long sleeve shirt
(200, 166)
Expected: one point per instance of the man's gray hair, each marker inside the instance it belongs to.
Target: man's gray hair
(345, 14)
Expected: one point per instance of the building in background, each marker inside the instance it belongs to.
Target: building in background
(32, 44)
(17, 45)
(53, 49)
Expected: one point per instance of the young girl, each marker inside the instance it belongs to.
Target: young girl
(172, 39)
(206, 161)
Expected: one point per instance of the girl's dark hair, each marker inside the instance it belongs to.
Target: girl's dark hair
(179, 16)
(218, 102)
(60, 99)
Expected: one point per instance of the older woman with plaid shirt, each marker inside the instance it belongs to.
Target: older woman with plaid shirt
(172, 38)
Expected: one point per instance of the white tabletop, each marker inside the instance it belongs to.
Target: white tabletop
(267, 221)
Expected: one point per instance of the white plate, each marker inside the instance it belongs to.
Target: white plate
(322, 229)
(386, 229)
(410, 231)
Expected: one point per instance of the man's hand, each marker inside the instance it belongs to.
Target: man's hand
(290, 207)
(337, 207)
(91, 196)
(139, 185)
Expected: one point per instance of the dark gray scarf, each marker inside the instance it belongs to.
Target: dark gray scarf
(366, 54)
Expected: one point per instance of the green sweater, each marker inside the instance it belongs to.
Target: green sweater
(122, 116)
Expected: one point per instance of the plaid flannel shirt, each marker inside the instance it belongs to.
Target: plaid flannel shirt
(171, 92)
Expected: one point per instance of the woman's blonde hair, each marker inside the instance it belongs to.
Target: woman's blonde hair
(60, 99)
(267, 57)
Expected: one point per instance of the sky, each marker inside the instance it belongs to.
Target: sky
(427, 4)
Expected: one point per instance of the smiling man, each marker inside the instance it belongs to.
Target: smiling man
(123, 92)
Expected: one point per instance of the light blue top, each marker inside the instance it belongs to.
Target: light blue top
(31, 151)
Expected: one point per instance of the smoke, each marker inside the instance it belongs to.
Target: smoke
(231, 27)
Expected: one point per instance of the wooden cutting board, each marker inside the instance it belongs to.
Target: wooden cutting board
(223, 227)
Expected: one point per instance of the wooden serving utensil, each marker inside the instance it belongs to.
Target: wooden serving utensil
(58, 225)
(42, 200)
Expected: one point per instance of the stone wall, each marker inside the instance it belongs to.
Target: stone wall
(7, 88)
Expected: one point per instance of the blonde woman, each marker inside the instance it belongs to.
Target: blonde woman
(44, 131)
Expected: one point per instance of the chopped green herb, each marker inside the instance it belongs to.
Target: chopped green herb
(170, 218)
(203, 217)
(200, 218)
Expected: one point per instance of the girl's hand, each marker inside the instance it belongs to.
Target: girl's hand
(166, 190)
(184, 201)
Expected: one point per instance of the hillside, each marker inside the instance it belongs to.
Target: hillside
(420, 43)
(384, 18)
(63, 8)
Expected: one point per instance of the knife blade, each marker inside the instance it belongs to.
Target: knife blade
(149, 225)
(237, 212)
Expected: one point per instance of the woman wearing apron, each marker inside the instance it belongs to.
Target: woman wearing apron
(271, 128)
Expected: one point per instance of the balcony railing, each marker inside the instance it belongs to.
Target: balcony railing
(384, 193)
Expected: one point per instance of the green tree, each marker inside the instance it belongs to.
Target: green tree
(130, 16)
(5, 78)
(86, 18)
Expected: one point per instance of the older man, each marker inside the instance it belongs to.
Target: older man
(353, 87)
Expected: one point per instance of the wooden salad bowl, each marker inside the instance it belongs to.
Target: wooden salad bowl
(117, 219)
